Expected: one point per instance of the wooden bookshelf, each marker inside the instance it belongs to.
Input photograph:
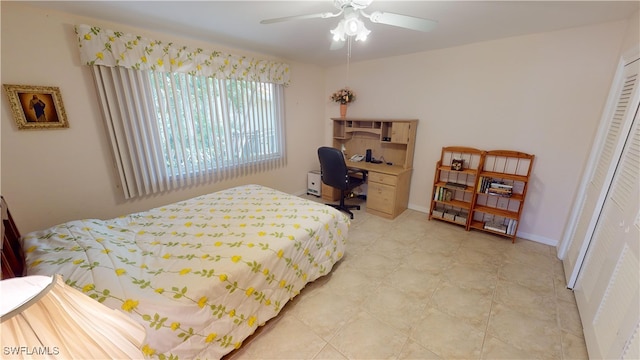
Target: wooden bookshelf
(489, 192)
(512, 168)
(454, 190)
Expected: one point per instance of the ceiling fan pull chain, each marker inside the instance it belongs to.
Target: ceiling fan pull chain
(348, 58)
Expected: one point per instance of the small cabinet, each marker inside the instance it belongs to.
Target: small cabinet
(454, 184)
(388, 194)
(380, 197)
(400, 133)
(396, 132)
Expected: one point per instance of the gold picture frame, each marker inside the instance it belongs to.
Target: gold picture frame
(37, 107)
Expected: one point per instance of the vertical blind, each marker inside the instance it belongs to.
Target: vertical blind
(170, 130)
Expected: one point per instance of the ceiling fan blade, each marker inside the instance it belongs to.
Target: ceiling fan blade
(404, 21)
(324, 15)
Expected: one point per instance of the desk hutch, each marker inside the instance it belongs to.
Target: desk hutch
(390, 140)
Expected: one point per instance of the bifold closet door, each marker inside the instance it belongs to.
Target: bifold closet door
(608, 287)
(604, 161)
(601, 260)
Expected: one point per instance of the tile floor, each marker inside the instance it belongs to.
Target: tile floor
(411, 288)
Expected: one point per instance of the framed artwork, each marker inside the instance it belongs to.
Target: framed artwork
(457, 164)
(37, 107)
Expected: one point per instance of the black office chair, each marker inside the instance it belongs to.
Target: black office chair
(335, 173)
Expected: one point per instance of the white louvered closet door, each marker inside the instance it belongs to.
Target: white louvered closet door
(608, 287)
(604, 160)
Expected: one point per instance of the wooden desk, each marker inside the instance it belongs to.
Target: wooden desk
(387, 188)
(391, 139)
(378, 168)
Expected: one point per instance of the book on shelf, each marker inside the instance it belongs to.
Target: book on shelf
(500, 185)
(487, 185)
(456, 185)
(495, 226)
(443, 194)
(509, 228)
(499, 191)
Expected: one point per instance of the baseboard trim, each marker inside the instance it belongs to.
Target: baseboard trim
(538, 238)
(526, 236)
(419, 208)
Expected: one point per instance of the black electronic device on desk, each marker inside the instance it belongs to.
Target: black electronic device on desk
(369, 158)
(377, 161)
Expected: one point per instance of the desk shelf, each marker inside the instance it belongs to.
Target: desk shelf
(363, 124)
(390, 139)
(365, 130)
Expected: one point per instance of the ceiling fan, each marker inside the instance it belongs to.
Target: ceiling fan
(351, 25)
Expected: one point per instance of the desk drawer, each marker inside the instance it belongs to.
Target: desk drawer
(329, 193)
(383, 178)
(381, 197)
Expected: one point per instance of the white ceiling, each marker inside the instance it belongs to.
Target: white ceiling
(237, 23)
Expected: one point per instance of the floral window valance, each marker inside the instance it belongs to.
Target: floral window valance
(113, 48)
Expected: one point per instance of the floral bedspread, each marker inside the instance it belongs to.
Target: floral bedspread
(200, 275)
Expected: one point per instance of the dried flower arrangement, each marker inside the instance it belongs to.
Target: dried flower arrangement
(343, 96)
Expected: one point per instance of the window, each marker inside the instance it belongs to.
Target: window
(208, 124)
(174, 129)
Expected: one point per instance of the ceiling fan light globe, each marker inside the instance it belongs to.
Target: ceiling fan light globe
(352, 26)
(362, 34)
(338, 32)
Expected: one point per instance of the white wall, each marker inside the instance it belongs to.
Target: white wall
(541, 94)
(52, 176)
(632, 37)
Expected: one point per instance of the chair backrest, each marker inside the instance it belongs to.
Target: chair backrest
(333, 167)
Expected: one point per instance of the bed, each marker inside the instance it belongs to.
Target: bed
(200, 275)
